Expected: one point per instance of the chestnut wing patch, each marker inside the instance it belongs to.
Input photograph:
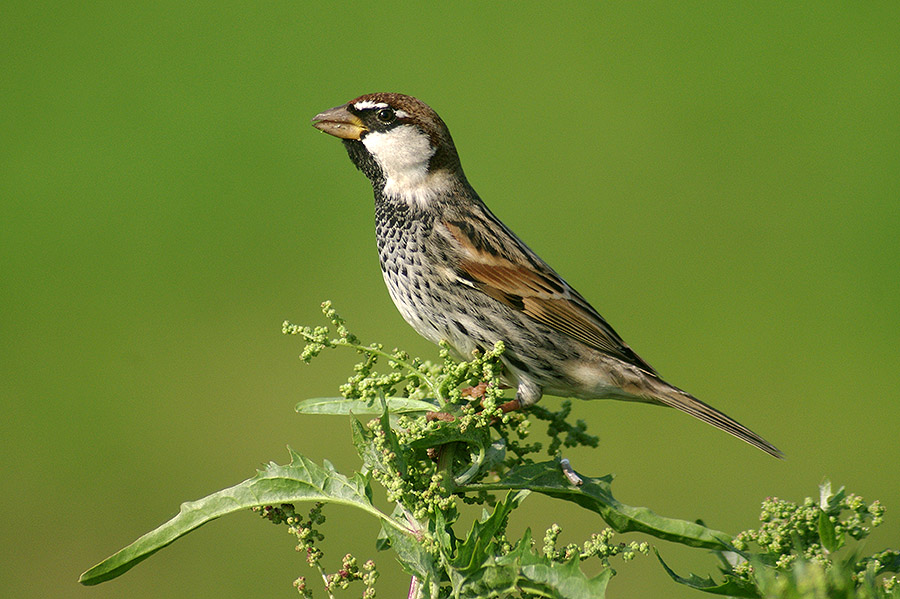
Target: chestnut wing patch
(536, 291)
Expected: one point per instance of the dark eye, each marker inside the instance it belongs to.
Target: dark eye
(385, 115)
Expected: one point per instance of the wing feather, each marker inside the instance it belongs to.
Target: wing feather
(534, 289)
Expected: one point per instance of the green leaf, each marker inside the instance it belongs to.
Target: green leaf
(341, 406)
(441, 433)
(731, 587)
(415, 559)
(475, 549)
(364, 442)
(372, 457)
(827, 534)
(596, 495)
(301, 480)
(441, 528)
(522, 571)
(391, 438)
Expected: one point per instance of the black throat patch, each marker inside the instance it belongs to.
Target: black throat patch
(364, 161)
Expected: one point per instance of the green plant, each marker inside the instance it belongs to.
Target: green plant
(436, 435)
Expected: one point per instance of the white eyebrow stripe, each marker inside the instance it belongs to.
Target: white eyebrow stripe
(402, 114)
(367, 104)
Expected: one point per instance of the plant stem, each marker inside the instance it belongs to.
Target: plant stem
(415, 589)
(445, 464)
(324, 580)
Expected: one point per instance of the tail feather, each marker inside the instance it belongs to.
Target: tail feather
(676, 398)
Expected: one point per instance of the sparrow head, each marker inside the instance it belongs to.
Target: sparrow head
(397, 141)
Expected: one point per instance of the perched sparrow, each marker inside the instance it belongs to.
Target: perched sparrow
(458, 274)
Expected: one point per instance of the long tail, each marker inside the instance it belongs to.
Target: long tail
(676, 398)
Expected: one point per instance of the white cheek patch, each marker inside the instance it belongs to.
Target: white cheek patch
(369, 104)
(403, 154)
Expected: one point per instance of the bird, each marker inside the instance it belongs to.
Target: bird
(458, 275)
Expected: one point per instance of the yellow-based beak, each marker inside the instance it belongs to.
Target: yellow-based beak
(340, 123)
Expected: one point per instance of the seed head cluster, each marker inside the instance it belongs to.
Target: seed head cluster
(600, 545)
(792, 532)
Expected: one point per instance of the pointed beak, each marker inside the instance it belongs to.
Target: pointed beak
(340, 123)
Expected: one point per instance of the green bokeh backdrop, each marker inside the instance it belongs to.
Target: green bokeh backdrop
(720, 179)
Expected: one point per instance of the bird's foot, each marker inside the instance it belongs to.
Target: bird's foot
(442, 416)
(511, 406)
(476, 392)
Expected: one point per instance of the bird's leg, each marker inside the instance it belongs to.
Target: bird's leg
(511, 406)
(442, 416)
(527, 394)
(478, 391)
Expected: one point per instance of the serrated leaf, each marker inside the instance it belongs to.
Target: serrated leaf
(301, 480)
(595, 494)
(341, 406)
(731, 587)
(523, 571)
(473, 551)
(565, 581)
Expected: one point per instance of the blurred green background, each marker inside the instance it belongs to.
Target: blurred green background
(720, 179)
